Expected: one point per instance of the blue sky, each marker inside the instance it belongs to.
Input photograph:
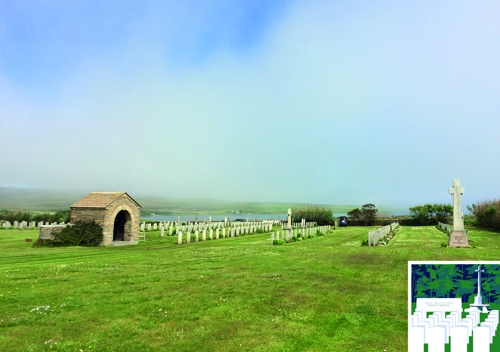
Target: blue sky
(337, 102)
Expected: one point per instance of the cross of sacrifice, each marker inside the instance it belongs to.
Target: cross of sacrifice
(456, 191)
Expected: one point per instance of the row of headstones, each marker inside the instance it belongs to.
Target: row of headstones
(199, 226)
(284, 225)
(375, 236)
(439, 329)
(247, 228)
(445, 227)
(24, 224)
(231, 232)
(288, 234)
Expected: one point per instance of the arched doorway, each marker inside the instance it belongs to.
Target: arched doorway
(120, 227)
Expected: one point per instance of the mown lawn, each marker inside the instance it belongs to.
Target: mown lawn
(237, 294)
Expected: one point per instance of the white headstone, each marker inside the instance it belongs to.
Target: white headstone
(289, 225)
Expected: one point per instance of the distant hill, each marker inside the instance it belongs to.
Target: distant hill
(38, 199)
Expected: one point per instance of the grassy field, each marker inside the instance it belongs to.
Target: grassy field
(237, 294)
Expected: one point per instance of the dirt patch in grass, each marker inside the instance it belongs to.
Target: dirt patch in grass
(364, 259)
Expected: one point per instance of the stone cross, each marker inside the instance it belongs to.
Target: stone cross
(456, 191)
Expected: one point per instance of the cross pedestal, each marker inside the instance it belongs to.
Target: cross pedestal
(458, 237)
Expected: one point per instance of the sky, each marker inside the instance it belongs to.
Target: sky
(330, 102)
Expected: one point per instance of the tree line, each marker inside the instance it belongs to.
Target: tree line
(11, 216)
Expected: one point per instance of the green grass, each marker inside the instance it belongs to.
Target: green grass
(322, 294)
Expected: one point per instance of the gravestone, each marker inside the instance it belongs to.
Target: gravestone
(170, 230)
(458, 237)
(149, 227)
(196, 236)
(289, 225)
(16, 224)
(179, 237)
(217, 234)
(155, 226)
(162, 231)
(142, 227)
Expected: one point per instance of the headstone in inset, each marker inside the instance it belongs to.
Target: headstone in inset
(149, 226)
(179, 237)
(223, 232)
(216, 233)
(162, 231)
(170, 230)
(204, 235)
(196, 236)
(16, 224)
(458, 237)
(188, 237)
(416, 339)
(143, 227)
(155, 226)
(481, 337)
(211, 234)
(21, 226)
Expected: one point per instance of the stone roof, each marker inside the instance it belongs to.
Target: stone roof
(101, 200)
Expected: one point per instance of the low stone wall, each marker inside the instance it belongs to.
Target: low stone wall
(47, 232)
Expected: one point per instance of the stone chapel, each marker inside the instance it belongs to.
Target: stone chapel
(117, 213)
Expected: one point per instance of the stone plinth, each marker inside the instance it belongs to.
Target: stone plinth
(458, 239)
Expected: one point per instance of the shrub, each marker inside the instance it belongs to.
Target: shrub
(364, 242)
(321, 216)
(275, 242)
(487, 214)
(282, 241)
(299, 239)
(85, 233)
(259, 231)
